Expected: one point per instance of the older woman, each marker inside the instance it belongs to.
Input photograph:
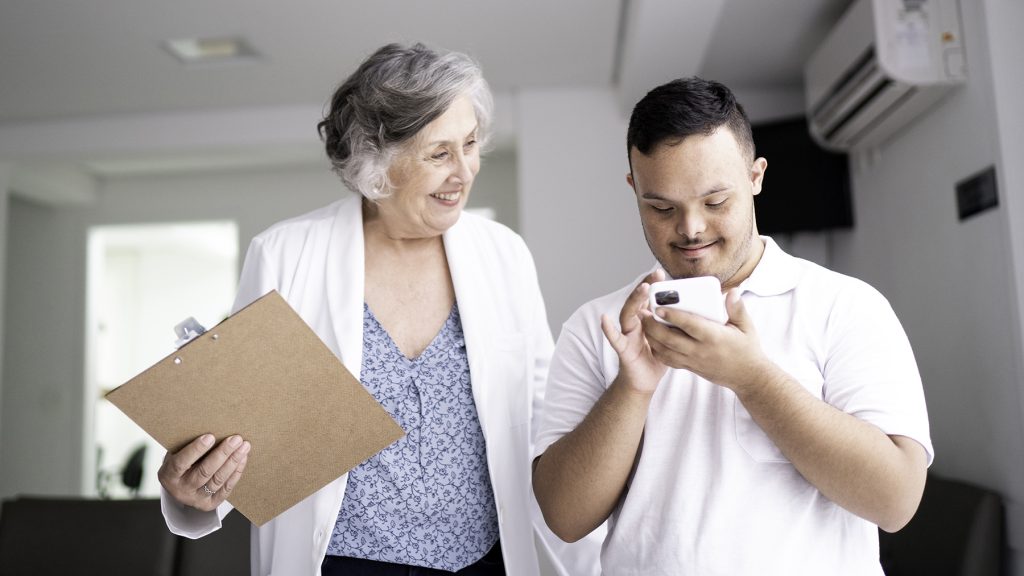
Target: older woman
(436, 310)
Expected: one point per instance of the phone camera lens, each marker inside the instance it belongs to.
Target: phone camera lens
(666, 297)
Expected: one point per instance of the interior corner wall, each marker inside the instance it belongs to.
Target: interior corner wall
(952, 283)
(577, 213)
(1006, 42)
(5, 176)
(43, 393)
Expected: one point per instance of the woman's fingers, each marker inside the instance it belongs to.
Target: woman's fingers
(204, 470)
(220, 478)
(201, 476)
(229, 486)
(179, 463)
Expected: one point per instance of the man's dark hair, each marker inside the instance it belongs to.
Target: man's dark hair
(685, 107)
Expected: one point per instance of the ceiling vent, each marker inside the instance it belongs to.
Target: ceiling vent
(884, 63)
(224, 50)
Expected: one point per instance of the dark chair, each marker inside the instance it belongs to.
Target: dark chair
(131, 474)
(958, 531)
(60, 536)
(224, 553)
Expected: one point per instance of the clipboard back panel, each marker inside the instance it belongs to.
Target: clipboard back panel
(265, 375)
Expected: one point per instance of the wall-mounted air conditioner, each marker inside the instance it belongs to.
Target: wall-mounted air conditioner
(883, 64)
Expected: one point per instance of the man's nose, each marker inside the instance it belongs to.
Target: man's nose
(691, 224)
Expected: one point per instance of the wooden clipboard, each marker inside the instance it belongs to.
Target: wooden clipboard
(263, 374)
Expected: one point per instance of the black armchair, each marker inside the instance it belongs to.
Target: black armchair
(85, 537)
(958, 531)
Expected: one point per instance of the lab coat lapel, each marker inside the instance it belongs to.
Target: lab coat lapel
(344, 274)
(343, 285)
(471, 295)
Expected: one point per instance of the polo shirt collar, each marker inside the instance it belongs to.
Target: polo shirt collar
(776, 273)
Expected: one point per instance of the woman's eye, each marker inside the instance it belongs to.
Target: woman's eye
(440, 155)
(470, 144)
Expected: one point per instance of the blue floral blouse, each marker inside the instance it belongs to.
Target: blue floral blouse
(426, 500)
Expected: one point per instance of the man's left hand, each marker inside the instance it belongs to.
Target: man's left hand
(728, 354)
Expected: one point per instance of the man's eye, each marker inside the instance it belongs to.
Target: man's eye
(717, 204)
(662, 209)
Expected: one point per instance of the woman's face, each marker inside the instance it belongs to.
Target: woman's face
(432, 176)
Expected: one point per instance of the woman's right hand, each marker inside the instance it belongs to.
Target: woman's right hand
(201, 475)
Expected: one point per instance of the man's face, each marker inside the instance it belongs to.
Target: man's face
(696, 201)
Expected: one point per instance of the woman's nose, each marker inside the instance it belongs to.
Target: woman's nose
(462, 170)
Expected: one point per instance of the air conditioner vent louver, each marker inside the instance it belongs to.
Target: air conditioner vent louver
(883, 64)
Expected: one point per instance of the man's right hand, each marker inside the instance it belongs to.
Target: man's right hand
(203, 476)
(580, 479)
(638, 368)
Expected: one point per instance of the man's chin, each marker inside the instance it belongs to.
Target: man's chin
(678, 271)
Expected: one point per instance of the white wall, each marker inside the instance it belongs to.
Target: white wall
(952, 283)
(495, 186)
(577, 213)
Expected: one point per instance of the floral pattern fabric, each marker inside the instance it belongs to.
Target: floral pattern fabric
(426, 500)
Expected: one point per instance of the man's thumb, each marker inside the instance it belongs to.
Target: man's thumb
(735, 308)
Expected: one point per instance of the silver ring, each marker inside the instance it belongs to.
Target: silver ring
(208, 491)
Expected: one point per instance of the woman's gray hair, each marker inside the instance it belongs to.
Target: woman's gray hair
(391, 96)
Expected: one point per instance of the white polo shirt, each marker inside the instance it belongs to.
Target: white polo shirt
(711, 493)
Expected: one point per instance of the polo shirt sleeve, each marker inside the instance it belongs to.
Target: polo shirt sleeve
(576, 379)
(870, 370)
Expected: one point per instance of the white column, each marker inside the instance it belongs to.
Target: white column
(577, 213)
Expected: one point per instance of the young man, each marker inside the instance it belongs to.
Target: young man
(772, 444)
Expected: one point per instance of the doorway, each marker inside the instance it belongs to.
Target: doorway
(142, 280)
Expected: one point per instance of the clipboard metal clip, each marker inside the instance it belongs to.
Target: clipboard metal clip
(187, 330)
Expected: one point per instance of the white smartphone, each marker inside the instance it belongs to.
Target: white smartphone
(701, 295)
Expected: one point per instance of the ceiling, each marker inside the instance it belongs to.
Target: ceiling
(68, 63)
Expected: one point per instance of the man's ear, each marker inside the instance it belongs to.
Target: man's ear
(757, 171)
(629, 180)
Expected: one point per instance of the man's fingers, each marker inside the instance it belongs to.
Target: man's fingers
(692, 325)
(667, 354)
(637, 299)
(656, 275)
(612, 334)
(665, 338)
(736, 310)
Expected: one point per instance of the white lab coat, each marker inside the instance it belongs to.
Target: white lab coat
(316, 262)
